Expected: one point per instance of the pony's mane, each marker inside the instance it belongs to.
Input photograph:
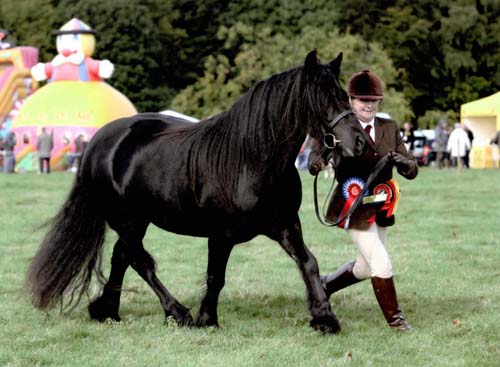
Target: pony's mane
(258, 121)
(257, 132)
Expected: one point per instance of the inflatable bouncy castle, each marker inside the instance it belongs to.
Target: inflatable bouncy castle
(16, 82)
(75, 101)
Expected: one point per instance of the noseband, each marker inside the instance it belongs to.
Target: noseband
(330, 141)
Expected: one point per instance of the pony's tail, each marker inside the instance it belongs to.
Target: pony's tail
(69, 253)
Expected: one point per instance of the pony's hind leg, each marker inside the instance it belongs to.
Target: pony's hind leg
(129, 251)
(142, 262)
(290, 239)
(218, 255)
(108, 303)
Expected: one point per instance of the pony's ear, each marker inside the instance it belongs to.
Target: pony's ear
(334, 65)
(311, 62)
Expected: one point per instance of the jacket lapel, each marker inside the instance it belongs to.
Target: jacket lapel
(379, 132)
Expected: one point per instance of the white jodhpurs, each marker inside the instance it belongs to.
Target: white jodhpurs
(373, 259)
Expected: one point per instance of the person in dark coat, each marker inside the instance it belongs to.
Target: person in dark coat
(44, 146)
(470, 135)
(367, 226)
(76, 157)
(9, 143)
(441, 136)
(1, 154)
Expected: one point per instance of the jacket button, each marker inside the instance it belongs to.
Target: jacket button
(376, 154)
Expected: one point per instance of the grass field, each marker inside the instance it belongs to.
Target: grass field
(446, 257)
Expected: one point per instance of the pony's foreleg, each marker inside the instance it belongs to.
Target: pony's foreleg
(107, 305)
(290, 239)
(218, 255)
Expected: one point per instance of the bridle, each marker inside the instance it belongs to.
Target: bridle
(330, 143)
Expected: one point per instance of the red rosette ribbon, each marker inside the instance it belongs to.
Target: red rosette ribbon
(351, 189)
(391, 188)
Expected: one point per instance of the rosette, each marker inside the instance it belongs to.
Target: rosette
(351, 188)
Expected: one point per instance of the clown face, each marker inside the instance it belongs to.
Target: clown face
(74, 43)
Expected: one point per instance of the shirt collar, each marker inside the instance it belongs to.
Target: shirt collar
(364, 124)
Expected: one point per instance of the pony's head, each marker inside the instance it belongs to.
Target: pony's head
(326, 107)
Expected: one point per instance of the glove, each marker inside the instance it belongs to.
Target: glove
(400, 161)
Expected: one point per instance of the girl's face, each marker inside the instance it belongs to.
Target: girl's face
(365, 109)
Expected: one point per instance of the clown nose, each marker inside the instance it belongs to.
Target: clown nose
(66, 52)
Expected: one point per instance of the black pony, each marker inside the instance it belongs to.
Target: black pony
(230, 178)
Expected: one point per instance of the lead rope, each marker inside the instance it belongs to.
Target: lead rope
(373, 175)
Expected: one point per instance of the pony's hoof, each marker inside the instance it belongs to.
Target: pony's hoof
(100, 311)
(186, 321)
(205, 320)
(181, 322)
(180, 316)
(327, 324)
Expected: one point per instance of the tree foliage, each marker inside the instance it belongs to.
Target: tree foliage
(433, 55)
(22, 19)
(263, 54)
(135, 47)
(287, 17)
(157, 46)
(446, 50)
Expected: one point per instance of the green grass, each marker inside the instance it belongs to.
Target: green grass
(445, 250)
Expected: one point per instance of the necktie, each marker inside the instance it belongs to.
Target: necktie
(368, 128)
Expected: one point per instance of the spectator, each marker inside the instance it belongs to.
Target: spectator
(470, 135)
(408, 136)
(1, 154)
(80, 145)
(458, 144)
(303, 155)
(44, 145)
(9, 162)
(496, 139)
(441, 143)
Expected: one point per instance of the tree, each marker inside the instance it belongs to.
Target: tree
(196, 25)
(438, 47)
(262, 54)
(471, 47)
(129, 36)
(28, 28)
(287, 17)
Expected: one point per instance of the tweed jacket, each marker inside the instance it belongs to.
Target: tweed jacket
(44, 145)
(387, 139)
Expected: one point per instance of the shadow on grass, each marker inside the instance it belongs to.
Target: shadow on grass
(356, 310)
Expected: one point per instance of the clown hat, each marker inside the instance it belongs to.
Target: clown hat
(75, 26)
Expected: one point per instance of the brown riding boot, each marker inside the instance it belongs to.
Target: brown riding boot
(385, 292)
(342, 278)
